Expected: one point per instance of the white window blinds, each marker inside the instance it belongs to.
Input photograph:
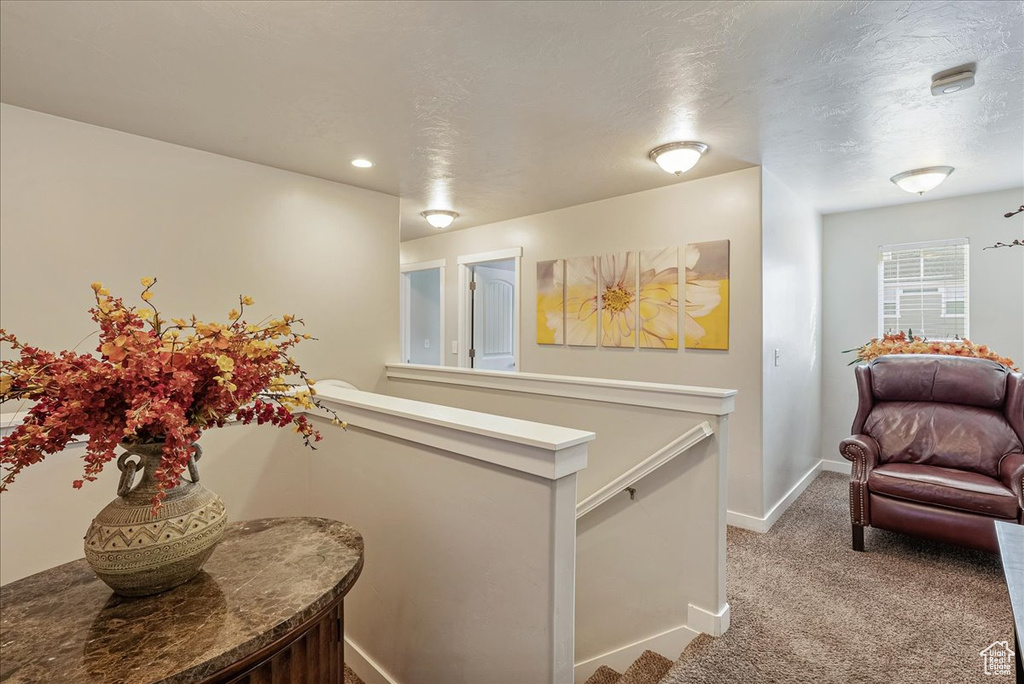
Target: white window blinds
(923, 287)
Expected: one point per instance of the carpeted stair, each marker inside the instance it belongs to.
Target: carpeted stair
(649, 668)
(351, 677)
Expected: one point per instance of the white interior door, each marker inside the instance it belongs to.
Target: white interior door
(493, 297)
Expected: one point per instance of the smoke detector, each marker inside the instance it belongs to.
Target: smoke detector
(953, 80)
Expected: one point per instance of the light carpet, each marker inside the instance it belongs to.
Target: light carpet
(807, 608)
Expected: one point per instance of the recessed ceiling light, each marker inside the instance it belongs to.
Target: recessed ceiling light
(439, 218)
(362, 163)
(921, 181)
(678, 157)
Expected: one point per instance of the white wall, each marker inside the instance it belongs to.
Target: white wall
(720, 207)
(82, 203)
(259, 472)
(850, 264)
(791, 281)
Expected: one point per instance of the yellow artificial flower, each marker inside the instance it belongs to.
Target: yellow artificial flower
(147, 282)
(234, 313)
(96, 286)
(225, 363)
(147, 295)
(179, 321)
(144, 313)
(247, 300)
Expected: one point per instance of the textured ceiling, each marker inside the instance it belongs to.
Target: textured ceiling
(503, 109)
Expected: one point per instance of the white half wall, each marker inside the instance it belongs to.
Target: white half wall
(645, 565)
(460, 584)
(715, 208)
(851, 242)
(791, 282)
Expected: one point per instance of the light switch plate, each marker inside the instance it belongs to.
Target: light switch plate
(455, 346)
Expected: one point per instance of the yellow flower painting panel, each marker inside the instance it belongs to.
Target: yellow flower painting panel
(706, 307)
(550, 301)
(618, 300)
(581, 301)
(659, 299)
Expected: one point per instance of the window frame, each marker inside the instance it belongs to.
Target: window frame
(922, 286)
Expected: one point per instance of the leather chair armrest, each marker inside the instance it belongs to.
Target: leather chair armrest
(1011, 473)
(862, 450)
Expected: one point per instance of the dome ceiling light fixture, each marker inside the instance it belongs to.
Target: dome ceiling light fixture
(439, 218)
(921, 181)
(678, 157)
(362, 163)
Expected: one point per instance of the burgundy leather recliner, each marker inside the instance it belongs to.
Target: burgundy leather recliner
(937, 448)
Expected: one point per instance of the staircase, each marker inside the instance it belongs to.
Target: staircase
(649, 668)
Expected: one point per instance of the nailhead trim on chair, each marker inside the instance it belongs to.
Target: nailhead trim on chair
(854, 453)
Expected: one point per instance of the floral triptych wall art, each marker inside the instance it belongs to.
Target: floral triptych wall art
(631, 299)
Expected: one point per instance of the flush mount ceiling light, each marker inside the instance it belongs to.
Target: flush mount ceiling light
(362, 163)
(945, 83)
(439, 218)
(678, 157)
(921, 181)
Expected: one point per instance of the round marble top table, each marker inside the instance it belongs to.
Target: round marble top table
(266, 607)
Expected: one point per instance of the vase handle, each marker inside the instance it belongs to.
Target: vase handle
(193, 470)
(128, 470)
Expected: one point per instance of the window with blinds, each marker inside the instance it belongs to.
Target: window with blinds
(923, 287)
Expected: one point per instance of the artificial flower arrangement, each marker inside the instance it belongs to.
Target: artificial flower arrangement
(155, 380)
(902, 343)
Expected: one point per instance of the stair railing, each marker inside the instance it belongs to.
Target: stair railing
(625, 481)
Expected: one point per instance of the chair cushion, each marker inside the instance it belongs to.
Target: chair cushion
(959, 489)
(946, 435)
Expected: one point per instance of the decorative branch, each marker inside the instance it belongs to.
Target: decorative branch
(1012, 243)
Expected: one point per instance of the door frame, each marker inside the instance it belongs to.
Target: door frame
(465, 262)
(404, 293)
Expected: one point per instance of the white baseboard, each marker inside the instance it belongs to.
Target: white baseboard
(368, 669)
(669, 643)
(750, 522)
(745, 522)
(835, 466)
(712, 624)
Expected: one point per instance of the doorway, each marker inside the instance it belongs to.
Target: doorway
(489, 310)
(422, 313)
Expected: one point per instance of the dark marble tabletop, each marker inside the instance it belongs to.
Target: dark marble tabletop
(265, 578)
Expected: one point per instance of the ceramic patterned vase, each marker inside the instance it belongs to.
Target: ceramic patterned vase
(137, 553)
